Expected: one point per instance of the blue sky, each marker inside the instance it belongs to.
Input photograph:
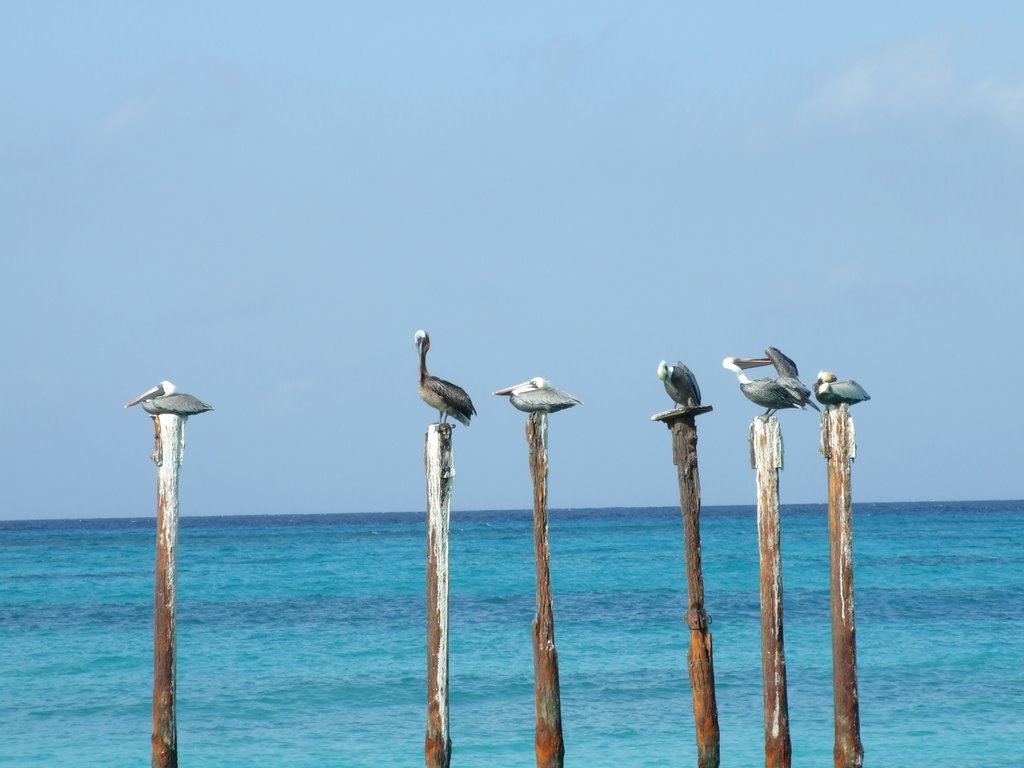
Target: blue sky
(263, 203)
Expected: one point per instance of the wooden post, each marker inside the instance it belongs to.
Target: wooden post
(699, 656)
(839, 447)
(440, 472)
(766, 458)
(169, 431)
(546, 695)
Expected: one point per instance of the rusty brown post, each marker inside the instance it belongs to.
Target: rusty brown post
(700, 659)
(169, 431)
(839, 447)
(440, 471)
(766, 458)
(548, 743)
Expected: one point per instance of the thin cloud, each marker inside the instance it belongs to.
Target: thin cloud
(128, 119)
(916, 80)
(1004, 102)
(906, 79)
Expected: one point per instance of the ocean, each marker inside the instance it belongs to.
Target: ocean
(301, 639)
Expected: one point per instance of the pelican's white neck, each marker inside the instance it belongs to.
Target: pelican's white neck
(730, 365)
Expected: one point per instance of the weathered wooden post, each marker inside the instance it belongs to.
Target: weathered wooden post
(839, 447)
(766, 458)
(700, 658)
(538, 398)
(169, 431)
(440, 471)
(170, 411)
(548, 742)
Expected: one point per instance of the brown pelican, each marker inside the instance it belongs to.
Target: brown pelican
(537, 394)
(680, 383)
(830, 391)
(448, 398)
(165, 398)
(784, 391)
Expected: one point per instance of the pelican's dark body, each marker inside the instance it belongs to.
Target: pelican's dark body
(165, 399)
(831, 391)
(178, 404)
(680, 384)
(537, 395)
(447, 398)
(771, 394)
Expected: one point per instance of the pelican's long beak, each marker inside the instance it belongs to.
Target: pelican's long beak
(154, 392)
(510, 390)
(751, 362)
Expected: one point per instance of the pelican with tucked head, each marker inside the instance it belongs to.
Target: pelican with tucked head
(165, 398)
(832, 392)
(537, 394)
(784, 391)
(449, 399)
(680, 383)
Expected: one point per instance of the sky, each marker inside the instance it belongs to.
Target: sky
(263, 202)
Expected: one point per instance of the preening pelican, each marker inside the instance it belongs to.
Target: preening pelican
(537, 394)
(165, 398)
(447, 398)
(830, 391)
(784, 391)
(680, 383)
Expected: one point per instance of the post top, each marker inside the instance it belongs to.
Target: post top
(677, 413)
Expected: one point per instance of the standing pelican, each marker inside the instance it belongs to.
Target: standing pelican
(165, 398)
(680, 383)
(447, 398)
(830, 391)
(785, 391)
(537, 394)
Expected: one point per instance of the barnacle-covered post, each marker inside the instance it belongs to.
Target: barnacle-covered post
(440, 471)
(839, 447)
(700, 657)
(766, 459)
(170, 410)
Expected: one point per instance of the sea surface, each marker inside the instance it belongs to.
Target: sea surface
(301, 639)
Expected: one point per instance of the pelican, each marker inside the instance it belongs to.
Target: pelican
(680, 383)
(537, 394)
(830, 391)
(784, 391)
(165, 398)
(449, 399)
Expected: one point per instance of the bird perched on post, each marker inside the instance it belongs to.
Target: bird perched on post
(537, 394)
(680, 383)
(165, 398)
(784, 391)
(449, 399)
(831, 391)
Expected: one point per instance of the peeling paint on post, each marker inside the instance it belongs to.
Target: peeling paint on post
(548, 743)
(440, 471)
(839, 447)
(766, 458)
(169, 431)
(701, 668)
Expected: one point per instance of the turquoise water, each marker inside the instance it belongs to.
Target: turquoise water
(301, 640)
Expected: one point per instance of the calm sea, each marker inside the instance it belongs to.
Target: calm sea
(301, 639)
